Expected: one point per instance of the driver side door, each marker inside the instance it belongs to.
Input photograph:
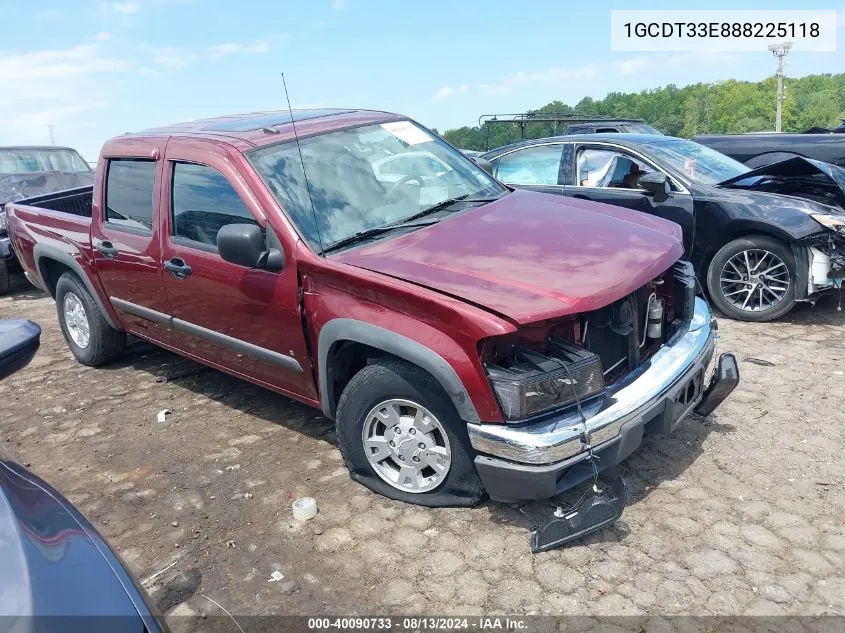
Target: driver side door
(241, 319)
(609, 174)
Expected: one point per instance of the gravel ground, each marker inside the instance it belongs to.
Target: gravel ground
(741, 513)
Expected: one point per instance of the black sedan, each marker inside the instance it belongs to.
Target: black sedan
(760, 239)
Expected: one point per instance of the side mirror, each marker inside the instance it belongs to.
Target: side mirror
(483, 163)
(656, 184)
(244, 244)
(19, 340)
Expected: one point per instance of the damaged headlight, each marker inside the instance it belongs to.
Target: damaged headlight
(834, 222)
(529, 382)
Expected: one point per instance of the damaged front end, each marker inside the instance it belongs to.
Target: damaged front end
(579, 392)
(800, 177)
(820, 261)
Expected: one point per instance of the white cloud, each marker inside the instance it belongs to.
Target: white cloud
(52, 86)
(103, 36)
(632, 65)
(48, 14)
(126, 7)
(222, 50)
(446, 92)
(173, 57)
(554, 76)
(338, 5)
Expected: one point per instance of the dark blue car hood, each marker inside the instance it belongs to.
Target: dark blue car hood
(55, 565)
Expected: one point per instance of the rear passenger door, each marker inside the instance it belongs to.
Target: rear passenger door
(245, 320)
(124, 235)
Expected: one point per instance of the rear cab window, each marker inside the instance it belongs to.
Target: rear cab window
(129, 194)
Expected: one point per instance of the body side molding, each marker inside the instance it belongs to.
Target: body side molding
(212, 336)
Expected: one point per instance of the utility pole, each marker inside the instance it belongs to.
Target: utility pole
(780, 51)
(52, 135)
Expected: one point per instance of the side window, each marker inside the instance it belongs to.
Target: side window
(609, 168)
(202, 202)
(129, 193)
(539, 165)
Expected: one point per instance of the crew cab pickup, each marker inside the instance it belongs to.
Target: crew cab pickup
(465, 337)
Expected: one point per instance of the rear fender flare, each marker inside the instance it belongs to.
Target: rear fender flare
(341, 329)
(43, 252)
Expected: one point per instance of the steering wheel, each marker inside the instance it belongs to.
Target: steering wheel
(404, 180)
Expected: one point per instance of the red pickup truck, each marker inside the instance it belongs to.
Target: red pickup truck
(465, 337)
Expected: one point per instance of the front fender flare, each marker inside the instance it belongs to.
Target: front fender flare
(341, 329)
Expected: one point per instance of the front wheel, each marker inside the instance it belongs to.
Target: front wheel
(753, 279)
(401, 437)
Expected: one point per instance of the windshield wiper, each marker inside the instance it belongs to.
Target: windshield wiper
(372, 232)
(449, 202)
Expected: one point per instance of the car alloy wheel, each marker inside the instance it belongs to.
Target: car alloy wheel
(76, 320)
(406, 446)
(754, 280)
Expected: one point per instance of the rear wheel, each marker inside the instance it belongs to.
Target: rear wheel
(401, 437)
(88, 335)
(753, 279)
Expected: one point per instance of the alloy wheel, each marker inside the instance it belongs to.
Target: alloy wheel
(76, 320)
(406, 445)
(754, 280)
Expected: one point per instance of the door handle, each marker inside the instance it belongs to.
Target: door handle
(107, 249)
(177, 267)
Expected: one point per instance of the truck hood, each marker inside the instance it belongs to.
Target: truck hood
(799, 177)
(530, 256)
(14, 187)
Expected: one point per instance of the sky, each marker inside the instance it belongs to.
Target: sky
(93, 69)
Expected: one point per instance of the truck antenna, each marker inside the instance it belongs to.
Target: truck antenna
(304, 174)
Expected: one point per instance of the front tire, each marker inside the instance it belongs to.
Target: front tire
(753, 279)
(401, 437)
(90, 338)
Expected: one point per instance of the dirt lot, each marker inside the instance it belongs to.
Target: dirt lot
(740, 513)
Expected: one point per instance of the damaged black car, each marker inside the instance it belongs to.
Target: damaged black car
(761, 240)
(28, 171)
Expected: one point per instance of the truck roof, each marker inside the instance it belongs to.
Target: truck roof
(262, 128)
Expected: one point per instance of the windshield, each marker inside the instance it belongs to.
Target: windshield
(366, 177)
(24, 160)
(700, 164)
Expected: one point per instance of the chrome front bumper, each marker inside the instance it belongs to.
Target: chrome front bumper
(672, 380)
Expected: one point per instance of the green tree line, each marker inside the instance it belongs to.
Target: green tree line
(728, 107)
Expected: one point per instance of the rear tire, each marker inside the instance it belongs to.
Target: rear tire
(90, 338)
(778, 285)
(389, 394)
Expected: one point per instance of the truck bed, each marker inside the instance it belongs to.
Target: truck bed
(59, 222)
(73, 201)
